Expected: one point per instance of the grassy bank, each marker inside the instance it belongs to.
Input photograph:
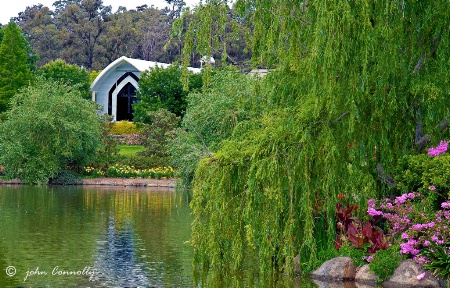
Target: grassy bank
(130, 150)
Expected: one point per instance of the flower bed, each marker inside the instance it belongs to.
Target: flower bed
(126, 171)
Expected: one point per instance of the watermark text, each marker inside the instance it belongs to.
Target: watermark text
(56, 271)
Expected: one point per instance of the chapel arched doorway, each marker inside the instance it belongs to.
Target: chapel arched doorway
(125, 100)
(122, 96)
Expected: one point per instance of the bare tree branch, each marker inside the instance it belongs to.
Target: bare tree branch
(443, 124)
(385, 178)
(422, 142)
(433, 49)
(419, 64)
(342, 116)
(335, 120)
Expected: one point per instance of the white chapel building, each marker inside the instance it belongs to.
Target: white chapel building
(115, 87)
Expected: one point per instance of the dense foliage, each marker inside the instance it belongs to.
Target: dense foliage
(49, 128)
(210, 118)
(161, 88)
(356, 85)
(67, 73)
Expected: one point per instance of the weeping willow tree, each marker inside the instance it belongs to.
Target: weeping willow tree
(355, 85)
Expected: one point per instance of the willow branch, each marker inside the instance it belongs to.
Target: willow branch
(203, 141)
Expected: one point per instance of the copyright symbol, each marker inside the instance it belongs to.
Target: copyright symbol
(11, 271)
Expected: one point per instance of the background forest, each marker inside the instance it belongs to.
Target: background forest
(90, 35)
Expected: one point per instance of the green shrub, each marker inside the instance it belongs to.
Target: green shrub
(386, 261)
(108, 152)
(357, 255)
(439, 259)
(157, 135)
(123, 128)
(65, 178)
(161, 88)
(49, 127)
(421, 172)
(67, 73)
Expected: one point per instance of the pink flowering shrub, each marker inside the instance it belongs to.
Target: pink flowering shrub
(418, 230)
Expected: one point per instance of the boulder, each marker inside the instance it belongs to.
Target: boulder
(334, 284)
(406, 276)
(336, 269)
(365, 276)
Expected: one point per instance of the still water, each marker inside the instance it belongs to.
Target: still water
(98, 236)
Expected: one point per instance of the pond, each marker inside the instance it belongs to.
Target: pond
(96, 236)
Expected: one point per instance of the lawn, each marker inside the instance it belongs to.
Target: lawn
(130, 150)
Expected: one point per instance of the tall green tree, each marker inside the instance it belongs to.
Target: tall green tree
(81, 24)
(83, 31)
(15, 65)
(162, 88)
(121, 36)
(356, 85)
(38, 22)
(49, 127)
(154, 32)
(70, 74)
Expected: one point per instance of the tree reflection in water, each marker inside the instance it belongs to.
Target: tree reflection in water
(116, 263)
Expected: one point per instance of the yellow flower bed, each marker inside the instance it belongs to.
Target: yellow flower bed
(126, 171)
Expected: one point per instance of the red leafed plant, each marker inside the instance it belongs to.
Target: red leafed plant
(350, 228)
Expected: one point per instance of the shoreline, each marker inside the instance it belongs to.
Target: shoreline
(137, 182)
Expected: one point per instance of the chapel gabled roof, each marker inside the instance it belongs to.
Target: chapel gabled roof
(141, 65)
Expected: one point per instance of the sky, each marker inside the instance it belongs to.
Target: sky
(12, 9)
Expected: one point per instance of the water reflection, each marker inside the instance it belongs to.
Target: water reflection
(116, 262)
(131, 237)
